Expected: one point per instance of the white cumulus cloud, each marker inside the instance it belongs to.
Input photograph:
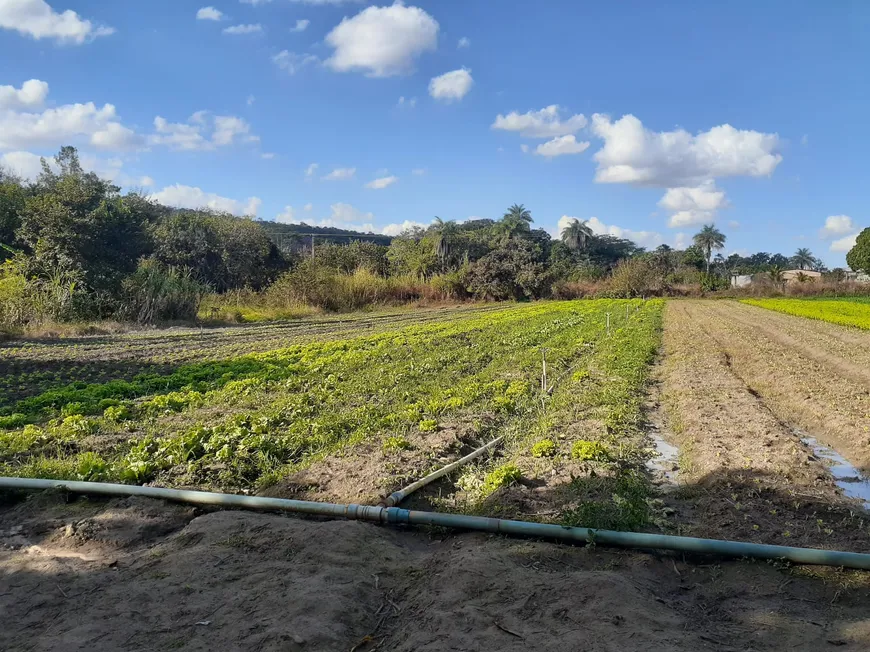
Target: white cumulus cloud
(693, 205)
(451, 86)
(346, 213)
(37, 19)
(340, 174)
(546, 123)
(560, 146)
(398, 229)
(382, 41)
(287, 216)
(182, 196)
(201, 132)
(31, 95)
(837, 225)
(311, 170)
(300, 26)
(844, 244)
(670, 159)
(383, 182)
(23, 164)
(244, 29)
(74, 124)
(209, 13)
(464, 42)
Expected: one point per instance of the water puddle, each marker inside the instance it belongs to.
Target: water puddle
(847, 477)
(666, 462)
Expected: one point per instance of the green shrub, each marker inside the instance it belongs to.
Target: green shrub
(156, 294)
(544, 448)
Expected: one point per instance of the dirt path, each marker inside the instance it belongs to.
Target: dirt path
(734, 394)
(143, 575)
(812, 388)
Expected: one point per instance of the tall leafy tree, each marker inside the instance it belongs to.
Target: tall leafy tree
(858, 257)
(12, 196)
(576, 235)
(803, 259)
(708, 239)
(77, 224)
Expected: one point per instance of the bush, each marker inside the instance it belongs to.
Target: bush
(513, 271)
(158, 294)
(636, 277)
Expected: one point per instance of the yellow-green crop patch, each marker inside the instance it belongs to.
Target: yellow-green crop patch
(835, 311)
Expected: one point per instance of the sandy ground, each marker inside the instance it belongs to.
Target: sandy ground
(141, 575)
(733, 385)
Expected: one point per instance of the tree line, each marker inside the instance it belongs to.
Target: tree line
(74, 248)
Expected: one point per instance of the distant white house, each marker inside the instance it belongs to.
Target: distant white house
(793, 276)
(741, 280)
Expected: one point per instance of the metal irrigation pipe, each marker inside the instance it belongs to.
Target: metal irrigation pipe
(396, 515)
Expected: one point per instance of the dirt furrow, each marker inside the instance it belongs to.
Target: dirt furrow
(844, 352)
(744, 470)
(818, 398)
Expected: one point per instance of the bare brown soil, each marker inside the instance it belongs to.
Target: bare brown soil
(811, 375)
(142, 575)
(367, 472)
(745, 473)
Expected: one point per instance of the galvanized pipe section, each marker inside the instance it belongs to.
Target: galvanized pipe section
(398, 496)
(397, 515)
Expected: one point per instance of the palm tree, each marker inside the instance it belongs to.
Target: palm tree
(803, 259)
(776, 275)
(708, 239)
(576, 235)
(516, 220)
(445, 235)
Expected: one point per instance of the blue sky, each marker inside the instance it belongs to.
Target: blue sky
(648, 119)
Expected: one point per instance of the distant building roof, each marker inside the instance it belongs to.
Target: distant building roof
(791, 274)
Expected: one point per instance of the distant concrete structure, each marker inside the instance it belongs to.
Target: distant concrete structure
(741, 280)
(793, 275)
(858, 277)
